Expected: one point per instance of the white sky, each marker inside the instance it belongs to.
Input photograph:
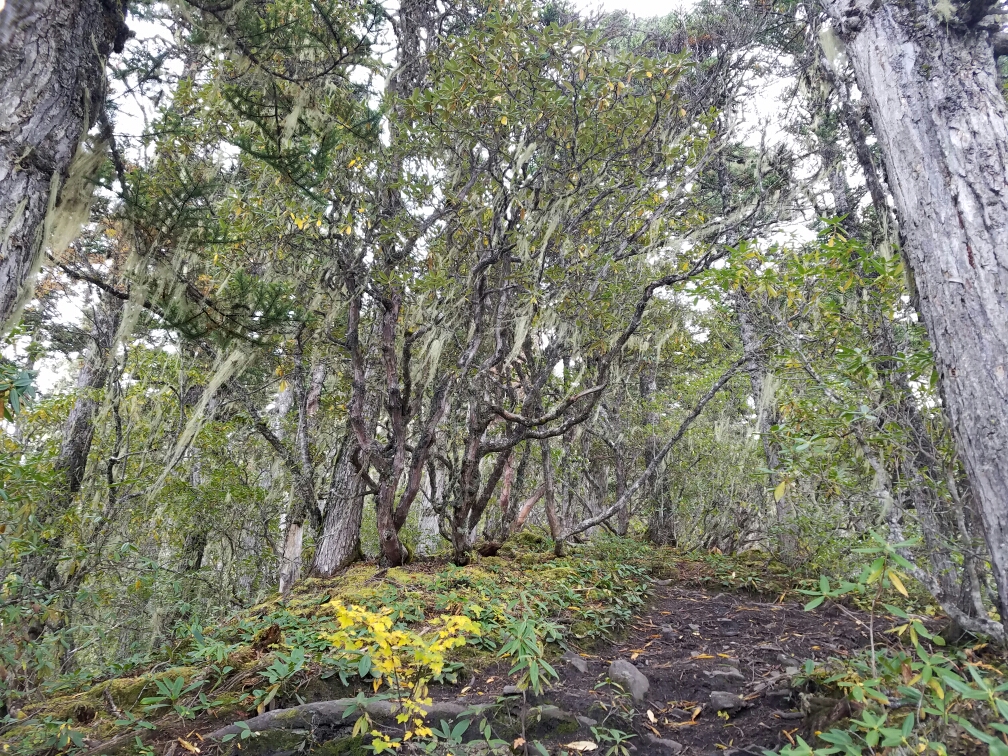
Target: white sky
(639, 7)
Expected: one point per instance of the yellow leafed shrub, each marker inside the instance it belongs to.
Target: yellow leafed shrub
(405, 660)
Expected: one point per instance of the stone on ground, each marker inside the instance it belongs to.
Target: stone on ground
(575, 661)
(662, 745)
(722, 700)
(631, 679)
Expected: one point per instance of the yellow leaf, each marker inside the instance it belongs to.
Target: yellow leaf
(937, 688)
(897, 583)
(578, 745)
(518, 743)
(188, 746)
(504, 120)
(651, 716)
(778, 493)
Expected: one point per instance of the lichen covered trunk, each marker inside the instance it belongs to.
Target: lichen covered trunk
(942, 126)
(52, 86)
(338, 544)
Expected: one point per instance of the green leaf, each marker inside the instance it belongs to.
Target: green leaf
(908, 724)
(814, 603)
(459, 730)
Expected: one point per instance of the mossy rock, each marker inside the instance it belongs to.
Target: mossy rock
(533, 538)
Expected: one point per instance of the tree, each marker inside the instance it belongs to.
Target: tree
(928, 75)
(52, 86)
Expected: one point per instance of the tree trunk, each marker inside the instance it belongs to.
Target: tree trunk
(78, 430)
(52, 85)
(430, 518)
(338, 544)
(942, 125)
(556, 531)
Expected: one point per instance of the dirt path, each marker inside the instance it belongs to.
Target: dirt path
(690, 643)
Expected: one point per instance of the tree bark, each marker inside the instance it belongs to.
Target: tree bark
(52, 86)
(338, 544)
(942, 125)
(556, 531)
(78, 430)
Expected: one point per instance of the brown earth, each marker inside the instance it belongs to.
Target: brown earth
(685, 643)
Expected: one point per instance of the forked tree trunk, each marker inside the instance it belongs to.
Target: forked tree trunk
(942, 126)
(52, 86)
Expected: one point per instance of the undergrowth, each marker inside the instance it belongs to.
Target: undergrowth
(299, 648)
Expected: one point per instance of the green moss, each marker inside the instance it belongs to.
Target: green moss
(270, 742)
(356, 746)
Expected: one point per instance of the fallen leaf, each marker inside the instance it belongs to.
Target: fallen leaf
(490, 680)
(696, 713)
(651, 716)
(518, 743)
(188, 746)
(578, 745)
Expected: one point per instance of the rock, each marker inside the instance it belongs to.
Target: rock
(791, 671)
(722, 700)
(728, 673)
(729, 627)
(574, 660)
(630, 678)
(779, 696)
(665, 746)
(669, 633)
(731, 662)
(695, 628)
(788, 661)
(550, 713)
(510, 690)
(586, 721)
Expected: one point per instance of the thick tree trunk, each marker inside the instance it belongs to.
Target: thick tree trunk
(942, 125)
(52, 85)
(338, 545)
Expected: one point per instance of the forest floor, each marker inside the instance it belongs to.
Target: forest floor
(690, 643)
(721, 642)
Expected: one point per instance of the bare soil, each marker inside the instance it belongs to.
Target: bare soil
(685, 643)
